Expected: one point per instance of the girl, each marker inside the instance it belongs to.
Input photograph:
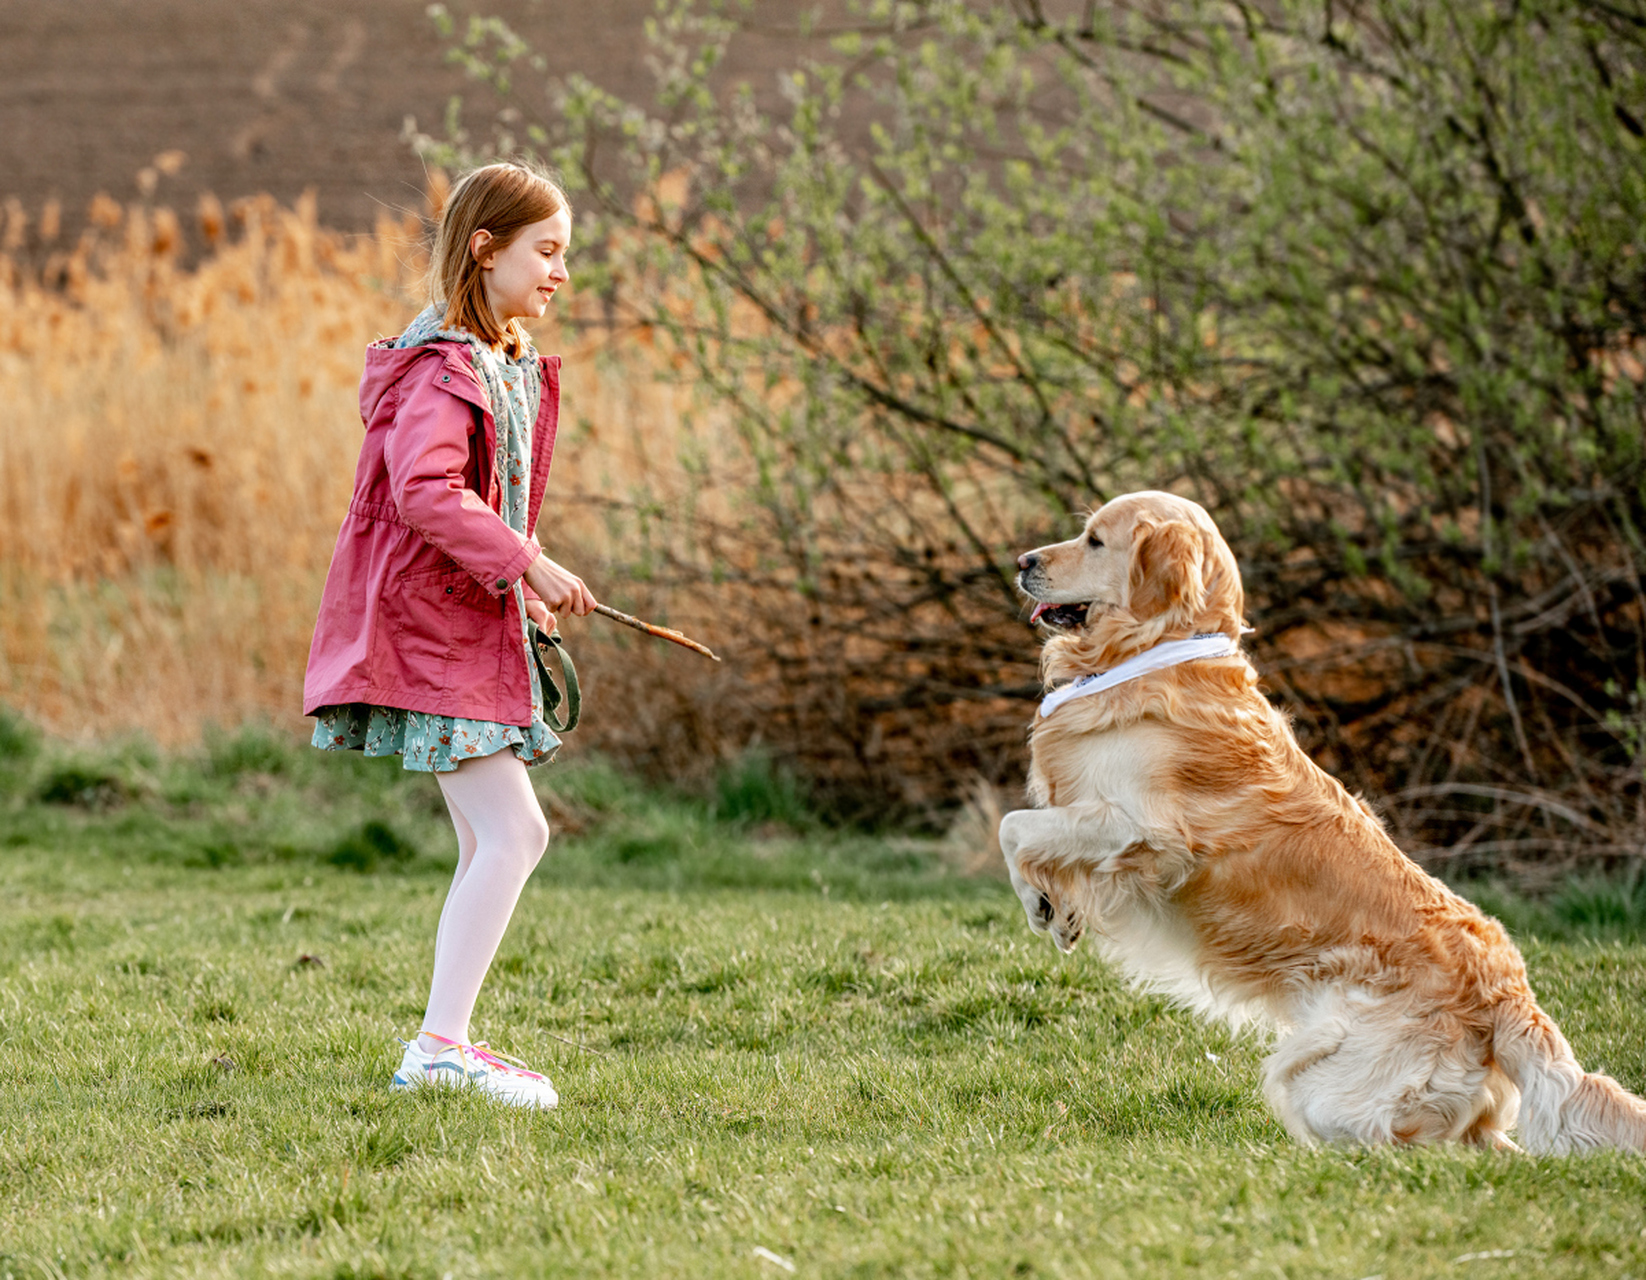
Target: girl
(421, 647)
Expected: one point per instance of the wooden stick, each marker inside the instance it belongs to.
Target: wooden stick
(662, 633)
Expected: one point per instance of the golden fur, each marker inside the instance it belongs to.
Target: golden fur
(1178, 820)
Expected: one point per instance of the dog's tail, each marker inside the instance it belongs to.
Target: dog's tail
(1563, 1107)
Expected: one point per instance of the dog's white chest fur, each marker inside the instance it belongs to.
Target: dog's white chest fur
(1132, 859)
(1112, 769)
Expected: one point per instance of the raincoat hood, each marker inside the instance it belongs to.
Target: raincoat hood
(387, 364)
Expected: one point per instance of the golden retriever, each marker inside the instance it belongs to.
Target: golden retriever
(1177, 819)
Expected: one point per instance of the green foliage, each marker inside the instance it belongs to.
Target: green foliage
(1581, 907)
(1593, 905)
(17, 739)
(372, 845)
(257, 798)
(1628, 722)
(254, 749)
(87, 786)
(754, 789)
(1369, 282)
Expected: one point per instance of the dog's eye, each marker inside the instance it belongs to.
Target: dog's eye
(1094, 541)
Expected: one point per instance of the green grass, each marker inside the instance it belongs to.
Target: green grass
(863, 1083)
(252, 799)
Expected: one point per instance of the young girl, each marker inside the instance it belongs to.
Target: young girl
(421, 647)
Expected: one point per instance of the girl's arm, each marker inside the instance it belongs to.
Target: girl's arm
(426, 452)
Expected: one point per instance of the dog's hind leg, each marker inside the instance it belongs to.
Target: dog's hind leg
(1491, 1128)
(1301, 1050)
(1361, 1067)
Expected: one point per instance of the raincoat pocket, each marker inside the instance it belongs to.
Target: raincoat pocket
(438, 614)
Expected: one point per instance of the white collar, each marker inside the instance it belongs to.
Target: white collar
(1212, 645)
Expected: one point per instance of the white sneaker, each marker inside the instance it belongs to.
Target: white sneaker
(473, 1066)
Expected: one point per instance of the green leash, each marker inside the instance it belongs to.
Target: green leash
(541, 645)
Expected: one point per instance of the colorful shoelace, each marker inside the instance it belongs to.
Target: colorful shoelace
(495, 1061)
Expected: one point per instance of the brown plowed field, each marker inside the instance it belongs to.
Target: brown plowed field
(273, 97)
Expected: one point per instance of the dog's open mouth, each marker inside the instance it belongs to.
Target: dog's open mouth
(1065, 617)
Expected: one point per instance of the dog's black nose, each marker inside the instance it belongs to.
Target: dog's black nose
(1027, 560)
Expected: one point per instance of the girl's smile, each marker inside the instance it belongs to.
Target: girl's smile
(521, 277)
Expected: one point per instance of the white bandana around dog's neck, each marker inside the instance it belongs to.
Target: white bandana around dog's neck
(1212, 645)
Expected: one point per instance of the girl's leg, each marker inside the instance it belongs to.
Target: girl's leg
(465, 858)
(494, 797)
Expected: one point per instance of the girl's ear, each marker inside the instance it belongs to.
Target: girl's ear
(1165, 579)
(478, 244)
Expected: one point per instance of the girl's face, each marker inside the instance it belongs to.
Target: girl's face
(519, 280)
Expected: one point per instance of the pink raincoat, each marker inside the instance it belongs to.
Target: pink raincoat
(419, 609)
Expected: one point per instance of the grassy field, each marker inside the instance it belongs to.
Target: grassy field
(806, 1052)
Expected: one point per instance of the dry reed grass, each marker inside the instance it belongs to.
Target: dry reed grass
(178, 452)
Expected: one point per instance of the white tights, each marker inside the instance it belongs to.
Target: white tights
(501, 834)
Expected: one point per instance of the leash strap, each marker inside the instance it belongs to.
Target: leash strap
(552, 697)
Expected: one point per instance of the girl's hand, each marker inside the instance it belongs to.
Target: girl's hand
(539, 613)
(558, 588)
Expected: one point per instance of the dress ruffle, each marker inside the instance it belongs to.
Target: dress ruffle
(428, 743)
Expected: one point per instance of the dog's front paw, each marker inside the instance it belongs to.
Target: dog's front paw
(1066, 929)
(1045, 912)
(1038, 907)
(1064, 923)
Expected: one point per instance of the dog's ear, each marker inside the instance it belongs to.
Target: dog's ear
(1165, 579)
(1225, 605)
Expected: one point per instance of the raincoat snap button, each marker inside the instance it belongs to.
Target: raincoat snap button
(449, 590)
(502, 584)
(445, 377)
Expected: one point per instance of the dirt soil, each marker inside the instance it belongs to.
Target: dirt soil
(276, 97)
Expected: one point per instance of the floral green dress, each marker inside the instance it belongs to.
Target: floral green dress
(431, 743)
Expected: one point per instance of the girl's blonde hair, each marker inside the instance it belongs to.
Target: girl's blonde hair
(503, 199)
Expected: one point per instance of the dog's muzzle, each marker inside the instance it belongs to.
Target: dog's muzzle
(1062, 617)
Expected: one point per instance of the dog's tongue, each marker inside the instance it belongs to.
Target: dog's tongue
(1039, 609)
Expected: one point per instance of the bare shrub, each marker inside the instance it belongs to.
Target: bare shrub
(1368, 281)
